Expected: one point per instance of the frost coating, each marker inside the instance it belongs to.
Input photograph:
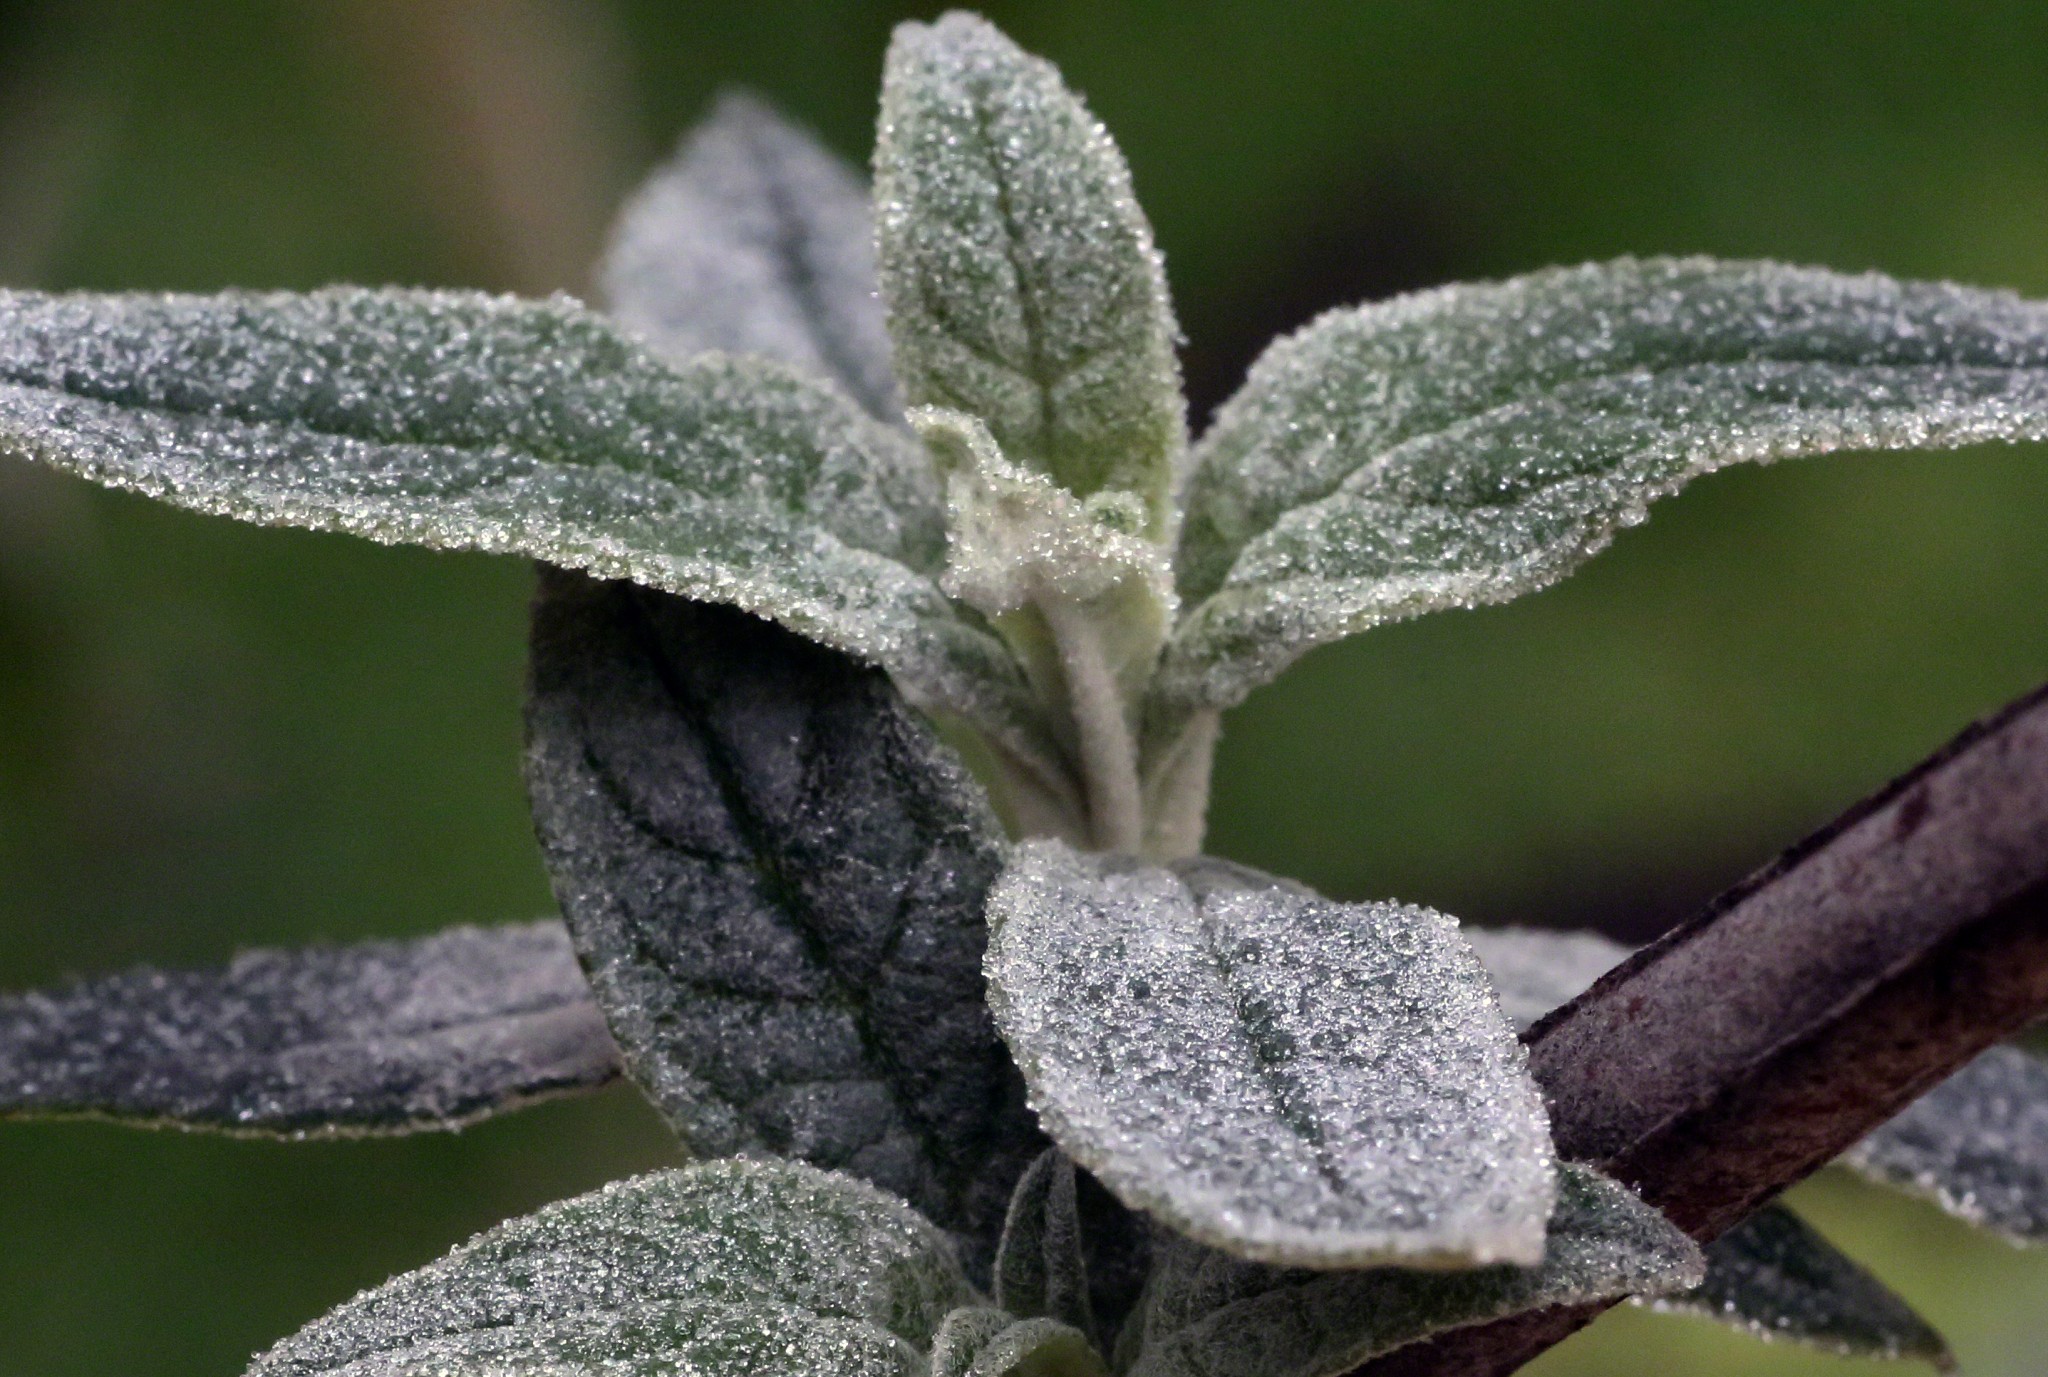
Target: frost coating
(462, 421)
(1280, 1076)
(727, 1267)
(755, 239)
(1534, 970)
(381, 1037)
(1977, 1145)
(1776, 1279)
(981, 1342)
(774, 873)
(1020, 278)
(1473, 443)
(1208, 1314)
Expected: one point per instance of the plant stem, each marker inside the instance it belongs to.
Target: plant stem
(1754, 1043)
(1108, 747)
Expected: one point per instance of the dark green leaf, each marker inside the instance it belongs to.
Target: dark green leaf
(774, 874)
(1041, 1265)
(981, 1342)
(1775, 1278)
(381, 1037)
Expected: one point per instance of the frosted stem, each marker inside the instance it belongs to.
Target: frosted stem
(1107, 746)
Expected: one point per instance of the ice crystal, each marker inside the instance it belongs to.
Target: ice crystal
(1285, 1077)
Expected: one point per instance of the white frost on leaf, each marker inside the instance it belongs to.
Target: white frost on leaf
(754, 239)
(730, 1268)
(1284, 1077)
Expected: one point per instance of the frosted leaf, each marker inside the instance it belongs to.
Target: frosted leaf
(981, 1342)
(1041, 1268)
(1018, 272)
(1776, 1279)
(1208, 1314)
(1469, 444)
(462, 421)
(774, 874)
(1977, 1145)
(380, 1037)
(720, 1268)
(755, 239)
(1291, 1079)
(1535, 970)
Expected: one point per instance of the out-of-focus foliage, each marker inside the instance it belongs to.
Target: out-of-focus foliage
(213, 736)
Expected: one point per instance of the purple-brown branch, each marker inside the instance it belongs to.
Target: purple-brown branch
(1753, 1044)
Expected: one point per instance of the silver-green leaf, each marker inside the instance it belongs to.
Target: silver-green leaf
(379, 1037)
(1208, 1314)
(1773, 1277)
(755, 239)
(1473, 443)
(1041, 1265)
(1977, 1144)
(774, 873)
(1020, 278)
(462, 421)
(730, 1269)
(1284, 1077)
(984, 1342)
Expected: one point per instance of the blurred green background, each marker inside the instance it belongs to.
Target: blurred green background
(213, 736)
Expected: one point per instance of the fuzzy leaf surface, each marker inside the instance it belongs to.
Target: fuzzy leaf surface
(730, 1269)
(1208, 1314)
(1019, 274)
(984, 1342)
(774, 873)
(379, 1037)
(1774, 1278)
(1977, 1145)
(755, 239)
(463, 421)
(1284, 1077)
(1473, 443)
(1041, 1263)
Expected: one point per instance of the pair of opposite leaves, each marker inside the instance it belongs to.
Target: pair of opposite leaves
(1447, 449)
